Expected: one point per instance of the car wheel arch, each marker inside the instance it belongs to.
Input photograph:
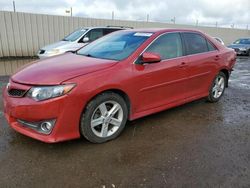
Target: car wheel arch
(227, 73)
(120, 92)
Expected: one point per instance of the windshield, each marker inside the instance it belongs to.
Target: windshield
(242, 41)
(75, 35)
(115, 46)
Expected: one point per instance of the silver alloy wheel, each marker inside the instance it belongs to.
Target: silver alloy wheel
(106, 119)
(219, 86)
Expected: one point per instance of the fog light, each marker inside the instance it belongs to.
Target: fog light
(46, 126)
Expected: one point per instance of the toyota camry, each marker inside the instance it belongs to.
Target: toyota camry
(123, 76)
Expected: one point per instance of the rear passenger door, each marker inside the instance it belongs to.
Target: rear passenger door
(202, 57)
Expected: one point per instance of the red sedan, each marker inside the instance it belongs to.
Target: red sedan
(122, 76)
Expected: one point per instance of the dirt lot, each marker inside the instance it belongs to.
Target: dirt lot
(195, 145)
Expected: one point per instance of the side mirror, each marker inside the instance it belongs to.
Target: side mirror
(150, 57)
(85, 39)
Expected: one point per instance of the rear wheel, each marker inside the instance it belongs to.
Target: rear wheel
(218, 87)
(104, 118)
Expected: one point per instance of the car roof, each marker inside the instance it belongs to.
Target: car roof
(244, 38)
(104, 27)
(162, 30)
(150, 30)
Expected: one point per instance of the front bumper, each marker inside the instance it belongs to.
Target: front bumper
(65, 109)
(241, 52)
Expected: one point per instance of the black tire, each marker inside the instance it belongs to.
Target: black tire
(85, 125)
(211, 98)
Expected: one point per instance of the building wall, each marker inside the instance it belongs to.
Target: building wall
(22, 34)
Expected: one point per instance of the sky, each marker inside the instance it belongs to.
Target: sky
(226, 13)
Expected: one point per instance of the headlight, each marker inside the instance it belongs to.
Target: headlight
(8, 86)
(55, 51)
(48, 92)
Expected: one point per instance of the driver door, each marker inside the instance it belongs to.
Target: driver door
(164, 82)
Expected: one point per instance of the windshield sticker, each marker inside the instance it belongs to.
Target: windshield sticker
(143, 34)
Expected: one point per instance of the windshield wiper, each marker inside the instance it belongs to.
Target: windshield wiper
(88, 55)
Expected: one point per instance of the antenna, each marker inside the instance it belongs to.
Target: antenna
(14, 6)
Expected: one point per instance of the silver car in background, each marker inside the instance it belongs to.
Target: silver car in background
(76, 40)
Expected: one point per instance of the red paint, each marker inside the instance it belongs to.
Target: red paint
(150, 57)
(150, 88)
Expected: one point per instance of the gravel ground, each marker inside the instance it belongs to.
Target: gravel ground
(195, 145)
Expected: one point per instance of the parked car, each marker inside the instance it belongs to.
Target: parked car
(241, 46)
(219, 40)
(76, 40)
(122, 76)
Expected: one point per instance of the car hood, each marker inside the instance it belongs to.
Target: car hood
(67, 45)
(239, 46)
(55, 70)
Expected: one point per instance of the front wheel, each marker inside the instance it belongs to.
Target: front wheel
(218, 87)
(104, 118)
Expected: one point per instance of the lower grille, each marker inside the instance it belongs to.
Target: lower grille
(16, 92)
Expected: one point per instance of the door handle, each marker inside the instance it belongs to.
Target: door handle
(217, 58)
(183, 64)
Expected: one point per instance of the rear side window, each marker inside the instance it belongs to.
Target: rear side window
(168, 46)
(195, 43)
(210, 46)
(107, 31)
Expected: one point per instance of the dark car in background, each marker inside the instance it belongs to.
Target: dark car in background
(241, 46)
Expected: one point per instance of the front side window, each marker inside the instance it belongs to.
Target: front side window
(167, 46)
(116, 46)
(195, 43)
(94, 34)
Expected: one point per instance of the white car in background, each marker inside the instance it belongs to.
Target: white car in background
(76, 40)
(220, 40)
